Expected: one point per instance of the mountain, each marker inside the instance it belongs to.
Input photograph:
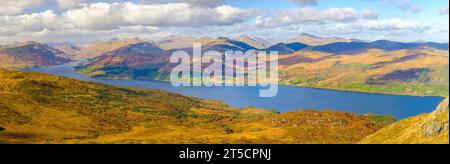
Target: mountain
(376, 67)
(223, 44)
(204, 40)
(313, 40)
(258, 43)
(138, 60)
(29, 54)
(284, 49)
(97, 49)
(176, 42)
(70, 49)
(39, 108)
(430, 128)
(419, 70)
(386, 45)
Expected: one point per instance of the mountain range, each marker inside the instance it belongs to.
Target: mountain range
(419, 68)
(378, 67)
(313, 40)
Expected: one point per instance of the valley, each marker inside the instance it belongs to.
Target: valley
(42, 108)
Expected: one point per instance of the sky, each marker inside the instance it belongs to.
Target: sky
(84, 21)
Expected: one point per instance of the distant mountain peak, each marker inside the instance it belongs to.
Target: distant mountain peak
(253, 41)
(309, 35)
(313, 40)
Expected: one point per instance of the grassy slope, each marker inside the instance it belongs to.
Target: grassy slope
(38, 108)
(355, 72)
(423, 129)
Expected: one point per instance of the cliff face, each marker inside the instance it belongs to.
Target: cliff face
(430, 128)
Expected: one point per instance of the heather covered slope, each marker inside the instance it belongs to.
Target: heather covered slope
(30, 54)
(38, 108)
(416, 71)
(430, 128)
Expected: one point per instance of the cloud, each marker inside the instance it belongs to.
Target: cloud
(206, 3)
(108, 16)
(381, 25)
(66, 4)
(444, 11)
(305, 2)
(405, 5)
(367, 14)
(308, 15)
(121, 16)
(11, 7)
(394, 24)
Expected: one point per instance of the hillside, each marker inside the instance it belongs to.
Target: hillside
(258, 43)
(141, 60)
(98, 49)
(38, 108)
(70, 49)
(424, 129)
(312, 40)
(30, 54)
(284, 49)
(176, 42)
(416, 71)
(148, 61)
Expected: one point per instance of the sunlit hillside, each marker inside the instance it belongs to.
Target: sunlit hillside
(419, 71)
(38, 108)
(424, 129)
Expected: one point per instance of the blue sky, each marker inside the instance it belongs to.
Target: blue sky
(83, 21)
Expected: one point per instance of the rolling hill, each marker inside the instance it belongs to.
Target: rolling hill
(258, 43)
(70, 49)
(176, 42)
(376, 67)
(39, 108)
(98, 49)
(284, 49)
(30, 54)
(148, 61)
(141, 60)
(416, 71)
(312, 40)
(386, 45)
(424, 129)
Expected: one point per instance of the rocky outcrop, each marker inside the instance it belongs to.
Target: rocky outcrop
(430, 128)
(438, 121)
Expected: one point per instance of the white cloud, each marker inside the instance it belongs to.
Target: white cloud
(387, 25)
(104, 17)
(109, 16)
(368, 14)
(66, 4)
(207, 3)
(394, 24)
(308, 15)
(305, 2)
(11, 7)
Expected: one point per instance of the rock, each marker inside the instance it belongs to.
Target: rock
(436, 124)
